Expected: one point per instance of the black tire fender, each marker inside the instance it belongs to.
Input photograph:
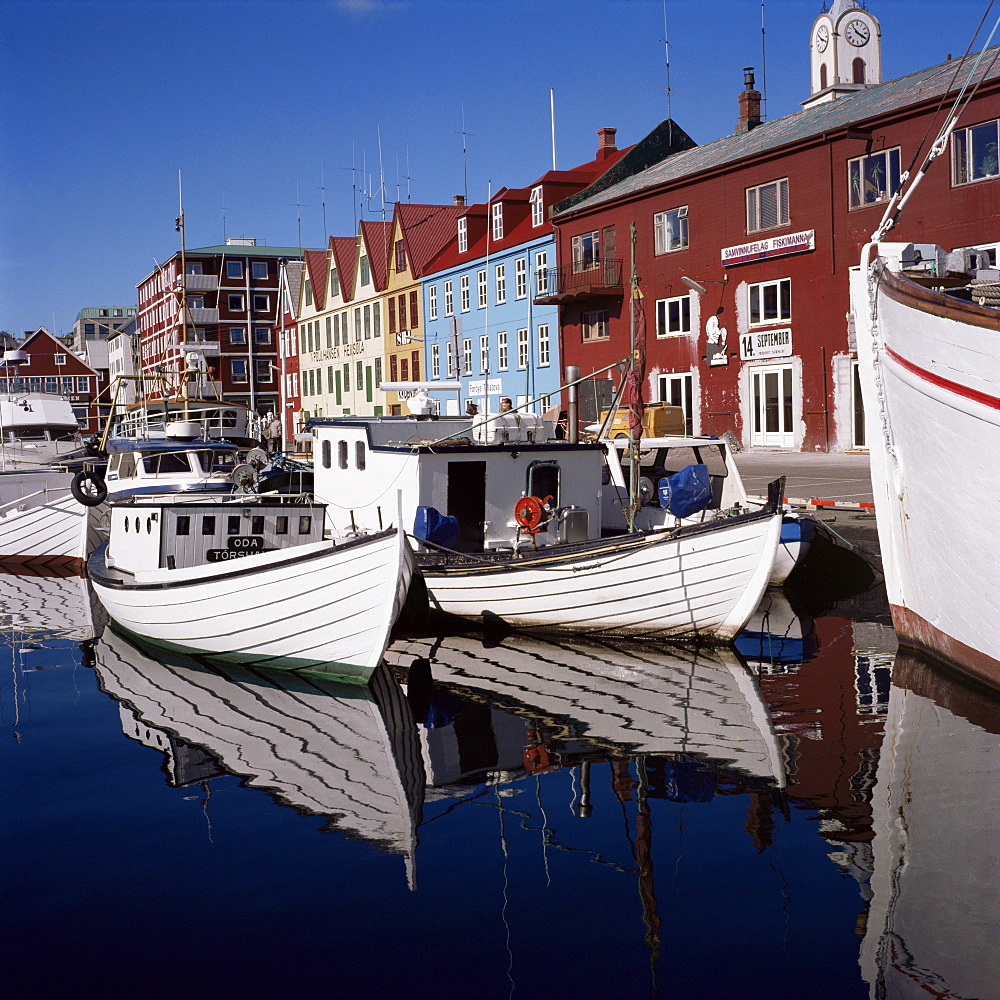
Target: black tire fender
(89, 488)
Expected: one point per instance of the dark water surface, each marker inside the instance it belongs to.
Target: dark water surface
(814, 817)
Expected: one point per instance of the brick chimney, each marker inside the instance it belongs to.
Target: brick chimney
(459, 200)
(606, 143)
(749, 103)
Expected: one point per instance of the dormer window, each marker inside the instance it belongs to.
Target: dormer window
(463, 235)
(366, 276)
(498, 221)
(400, 256)
(537, 207)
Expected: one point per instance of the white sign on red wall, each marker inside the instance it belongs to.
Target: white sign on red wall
(774, 246)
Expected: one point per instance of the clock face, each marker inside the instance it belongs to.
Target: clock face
(822, 37)
(857, 33)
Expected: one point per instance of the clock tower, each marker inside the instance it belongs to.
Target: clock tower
(846, 53)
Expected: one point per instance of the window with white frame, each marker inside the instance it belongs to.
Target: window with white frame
(235, 303)
(263, 371)
(463, 235)
(594, 325)
(432, 302)
(358, 330)
(237, 335)
(464, 286)
(484, 353)
(334, 283)
(451, 360)
(767, 206)
(770, 302)
(501, 277)
(258, 269)
(520, 277)
(467, 356)
(542, 273)
(502, 350)
(543, 344)
(481, 288)
(238, 369)
(435, 360)
(366, 273)
(673, 316)
(60, 359)
(449, 299)
(523, 353)
(586, 251)
(873, 179)
(83, 383)
(234, 269)
(497, 212)
(262, 334)
(670, 230)
(975, 152)
(537, 207)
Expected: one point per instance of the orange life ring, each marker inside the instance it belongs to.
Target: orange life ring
(536, 757)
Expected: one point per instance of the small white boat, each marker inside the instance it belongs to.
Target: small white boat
(252, 579)
(929, 358)
(507, 522)
(38, 430)
(347, 753)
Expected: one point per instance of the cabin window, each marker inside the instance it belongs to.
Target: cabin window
(327, 450)
(233, 524)
(208, 525)
(359, 455)
(543, 481)
(257, 524)
(305, 524)
(342, 454)
(281, 524)
(168, 462)
(126, 466)
(137, 524)
(183, 524)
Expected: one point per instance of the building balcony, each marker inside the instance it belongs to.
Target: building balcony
(203, 317)
(202, 283)
(574, 282)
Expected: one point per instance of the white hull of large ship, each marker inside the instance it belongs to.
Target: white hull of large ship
(314, 607)
(704, 585)
(934, 437)
(41, 522)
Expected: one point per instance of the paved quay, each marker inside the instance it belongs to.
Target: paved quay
(839, 483)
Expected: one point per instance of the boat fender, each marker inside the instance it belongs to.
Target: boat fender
(89, 488)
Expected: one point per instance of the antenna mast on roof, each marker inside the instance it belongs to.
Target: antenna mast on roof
(223, 217)
(322, 195)
(552, 116)
(666, 57)
(465, 170)
(763, 64)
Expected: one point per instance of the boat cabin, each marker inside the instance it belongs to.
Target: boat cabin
(38, 428)
(137, 467)
(150, 535)
(474, 472)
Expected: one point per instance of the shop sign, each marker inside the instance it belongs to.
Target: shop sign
(774, 246)
(486, 387)
(766, 344)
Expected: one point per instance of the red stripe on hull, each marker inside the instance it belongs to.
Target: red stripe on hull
(942, 383)
(920, 634)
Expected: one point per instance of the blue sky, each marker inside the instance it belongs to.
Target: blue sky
(269, 110)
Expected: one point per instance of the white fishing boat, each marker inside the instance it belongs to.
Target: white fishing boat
(929, 358)
(37, 431)
(605, 698)
(253, 579)
(507, 522)
(346, 753)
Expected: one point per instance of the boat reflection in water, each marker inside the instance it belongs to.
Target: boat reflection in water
(935, 909)
(53, 605)
(325, 748)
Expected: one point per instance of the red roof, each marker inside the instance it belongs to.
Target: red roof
(316, 266)
(426, 229)
(343, 249)
(376, 237)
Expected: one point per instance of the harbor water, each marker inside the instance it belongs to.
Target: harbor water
(812, 813)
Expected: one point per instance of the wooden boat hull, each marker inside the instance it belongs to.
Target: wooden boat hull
(325, 607)
(930, 373)
(42, 523)
(700, 583)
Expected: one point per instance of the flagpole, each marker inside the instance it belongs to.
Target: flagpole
(633, 443)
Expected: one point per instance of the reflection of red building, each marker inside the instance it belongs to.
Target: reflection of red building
(52, 367)
(829, 716)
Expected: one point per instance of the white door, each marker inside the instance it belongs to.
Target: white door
(678, 390)
(773, 416)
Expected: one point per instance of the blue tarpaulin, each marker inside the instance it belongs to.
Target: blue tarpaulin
(686, 492)
(433, 526)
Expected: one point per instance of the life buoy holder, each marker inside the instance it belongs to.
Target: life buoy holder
(531, 513)
(89, 488)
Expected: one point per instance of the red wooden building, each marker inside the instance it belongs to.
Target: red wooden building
(742, 248)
